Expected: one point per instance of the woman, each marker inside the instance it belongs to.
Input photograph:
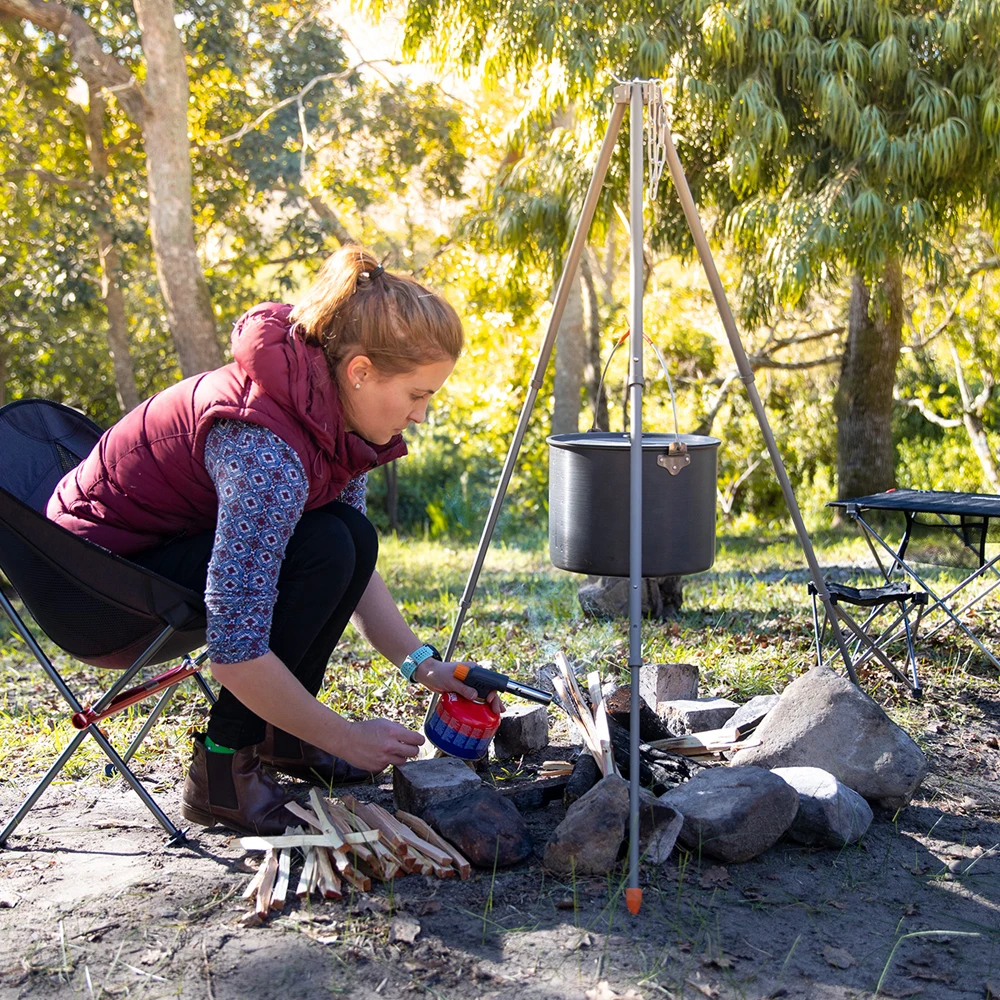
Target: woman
(247, 484)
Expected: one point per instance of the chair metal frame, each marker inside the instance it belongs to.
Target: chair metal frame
(117, 697)
(869, 643)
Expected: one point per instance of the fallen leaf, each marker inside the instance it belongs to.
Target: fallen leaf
(403, 928)
(578, 940)
(839, 958)
(603, 991)
(716, 877)
(369, 904)
(152, 956)
(704, 989)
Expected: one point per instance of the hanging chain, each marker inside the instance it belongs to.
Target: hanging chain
(657, 123)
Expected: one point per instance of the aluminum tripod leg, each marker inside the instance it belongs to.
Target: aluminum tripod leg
(633, 894)
(747, 378)
(538, 376)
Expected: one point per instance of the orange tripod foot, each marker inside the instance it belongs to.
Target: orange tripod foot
(633, 900)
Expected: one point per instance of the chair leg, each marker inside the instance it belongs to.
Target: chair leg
(176, 835)
(33, 796)
(146, 727)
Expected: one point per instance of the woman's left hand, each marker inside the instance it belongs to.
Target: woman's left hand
(440, 677)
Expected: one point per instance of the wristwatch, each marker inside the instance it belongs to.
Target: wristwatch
(425, 652)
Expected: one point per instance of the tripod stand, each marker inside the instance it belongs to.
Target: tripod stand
(660, 146)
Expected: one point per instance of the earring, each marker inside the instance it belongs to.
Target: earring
(357, 385)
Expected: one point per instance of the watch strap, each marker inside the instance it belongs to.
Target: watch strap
(425, 652)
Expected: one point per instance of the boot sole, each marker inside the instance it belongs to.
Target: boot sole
(205, 819)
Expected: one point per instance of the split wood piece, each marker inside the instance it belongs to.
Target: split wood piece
(413, 841)
(254, 883)
(601, 723)
(431, 835)
(326, 824)
(327, 881)
(352, 840)
(297, 809)
(303, 889)
(567, 706)
(266, 886)
(580, 710)
(280, 892)
(347, 872)
(708, 742)
(373, 816)
(358, 835)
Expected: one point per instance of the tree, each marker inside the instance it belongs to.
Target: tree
(159, 107)
(826, 138)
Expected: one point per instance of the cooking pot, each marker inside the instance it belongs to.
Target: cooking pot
(589, 503)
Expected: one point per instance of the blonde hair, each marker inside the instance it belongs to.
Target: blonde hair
(356, 307)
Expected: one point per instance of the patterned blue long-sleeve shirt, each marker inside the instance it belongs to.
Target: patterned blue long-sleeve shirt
(262, 489)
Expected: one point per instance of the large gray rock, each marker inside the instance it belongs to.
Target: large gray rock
(419, 784)
(586, 842)
(608, 596)
(668, 682)
(733, 813)
(697, 716)
(750, 715)
(823, 720)
(524, 729)
(485, 826)
(830, 813)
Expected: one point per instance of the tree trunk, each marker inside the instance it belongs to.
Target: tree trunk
(981, 446)
(111, 292)
(863, 404)
(168, 173)
(592, 369)
(570, 355)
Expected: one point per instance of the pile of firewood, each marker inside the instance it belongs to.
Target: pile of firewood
(350, 842)
(710, 743)
(593, 726)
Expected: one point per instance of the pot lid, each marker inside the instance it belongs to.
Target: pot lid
(615, 441)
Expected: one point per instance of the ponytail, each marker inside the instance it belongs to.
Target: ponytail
(357, 307)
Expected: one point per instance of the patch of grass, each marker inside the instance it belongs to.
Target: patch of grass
(746, 624)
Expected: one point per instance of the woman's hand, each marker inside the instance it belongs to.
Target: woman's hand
(440, 677)
(376, 743)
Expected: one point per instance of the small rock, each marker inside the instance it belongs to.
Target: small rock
(829, 813)
(485, 826)
(733, 813)
(619, 705)
(418, 785)
(749, 716)
(698, 715)
(8, 898)
(823, 720)
(839, 958)
(608, 596)
(659, 827)
(524, 729)
(585, 775)
(668, 682)
(586, 842)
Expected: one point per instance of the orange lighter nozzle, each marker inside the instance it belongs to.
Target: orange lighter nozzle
(461, 671)
(633, 900)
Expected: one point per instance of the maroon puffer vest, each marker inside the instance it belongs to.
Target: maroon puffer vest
(145, 481)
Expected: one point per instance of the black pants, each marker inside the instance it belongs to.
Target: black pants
(329, 560)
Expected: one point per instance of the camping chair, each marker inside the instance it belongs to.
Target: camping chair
(97, 607)
(872, 634)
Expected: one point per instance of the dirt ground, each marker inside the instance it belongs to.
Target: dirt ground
(101, 908)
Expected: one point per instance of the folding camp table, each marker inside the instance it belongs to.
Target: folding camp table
(963, 519)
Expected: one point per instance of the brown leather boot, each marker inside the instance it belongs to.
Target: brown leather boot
(232, 789)
(288, 754)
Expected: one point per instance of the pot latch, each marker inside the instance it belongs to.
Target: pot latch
(676, 458)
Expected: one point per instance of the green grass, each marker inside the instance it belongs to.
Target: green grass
(746, 624)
